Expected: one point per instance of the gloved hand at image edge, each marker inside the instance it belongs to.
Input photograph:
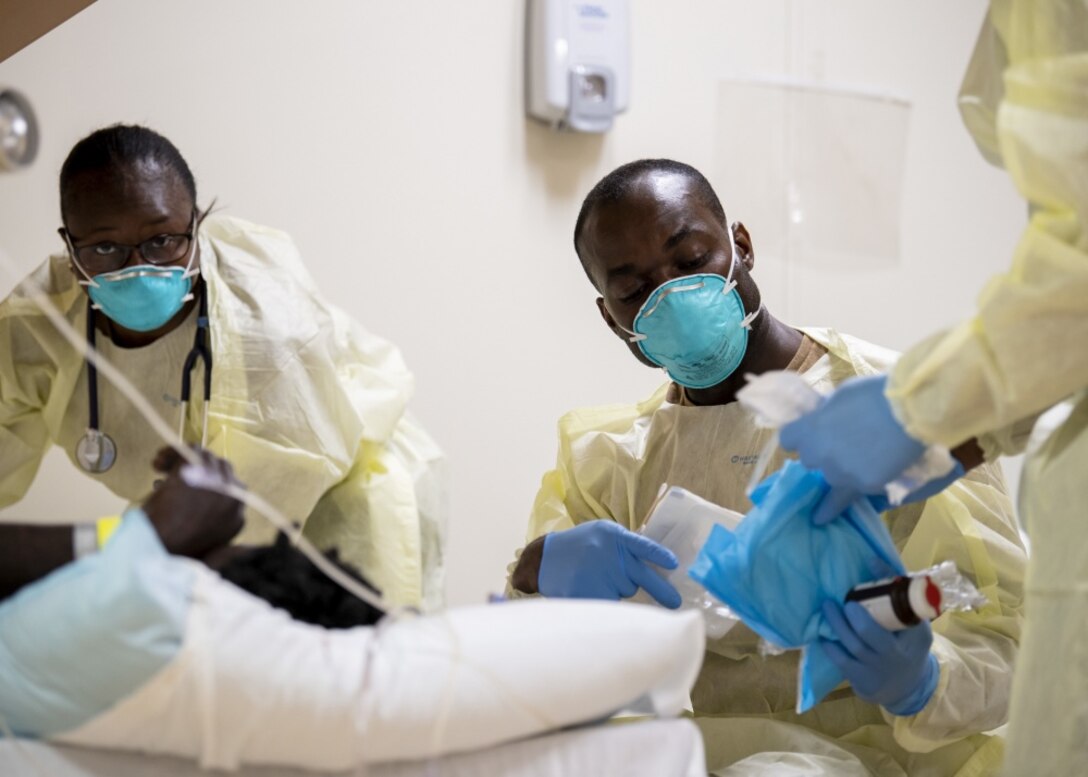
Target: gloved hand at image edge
(854, 439)
(602, 560)
(881, 503)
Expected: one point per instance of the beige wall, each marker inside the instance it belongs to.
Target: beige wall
(388, 138)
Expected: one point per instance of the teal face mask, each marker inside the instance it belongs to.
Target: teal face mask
(695, 327)
(145, 297)
(141, 298)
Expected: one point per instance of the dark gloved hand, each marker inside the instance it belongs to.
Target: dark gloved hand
(191, 516)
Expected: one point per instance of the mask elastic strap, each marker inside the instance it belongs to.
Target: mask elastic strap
(732, 257)
(635, 336)
(746, 322)
(87, 279)
(731, 284)
(190, 271)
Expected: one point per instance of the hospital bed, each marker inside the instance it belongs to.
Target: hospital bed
(654, 748)
(229, 682)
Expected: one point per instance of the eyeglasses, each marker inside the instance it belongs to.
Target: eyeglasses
(107, 256)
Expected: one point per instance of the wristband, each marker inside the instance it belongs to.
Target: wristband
(104, 529)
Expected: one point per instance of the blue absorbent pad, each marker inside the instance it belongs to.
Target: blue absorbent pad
(81, 639)
(776, 569)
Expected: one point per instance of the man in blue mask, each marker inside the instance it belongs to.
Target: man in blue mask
(675, 284)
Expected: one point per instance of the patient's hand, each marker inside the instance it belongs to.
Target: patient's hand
(225, 554)
(191, 517)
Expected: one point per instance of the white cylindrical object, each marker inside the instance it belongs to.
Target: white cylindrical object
(900, 602)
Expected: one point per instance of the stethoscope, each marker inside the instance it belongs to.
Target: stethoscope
(96, 451)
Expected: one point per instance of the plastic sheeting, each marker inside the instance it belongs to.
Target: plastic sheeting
(819, 169)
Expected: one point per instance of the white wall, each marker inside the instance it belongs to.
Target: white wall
(388, 138)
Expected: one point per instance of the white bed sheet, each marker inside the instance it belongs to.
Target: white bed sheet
(655, 748)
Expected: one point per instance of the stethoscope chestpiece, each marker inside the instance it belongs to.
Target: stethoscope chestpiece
(95, 451)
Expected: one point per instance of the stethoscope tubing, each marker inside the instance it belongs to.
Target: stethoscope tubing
(201, 350)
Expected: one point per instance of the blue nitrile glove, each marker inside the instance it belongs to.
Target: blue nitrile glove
(602, 560)
(855, 441)
(932, 488)
(891, 668)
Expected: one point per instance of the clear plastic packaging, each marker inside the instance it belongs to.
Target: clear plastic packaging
(681, 521)
(958, 594)
(778, 397)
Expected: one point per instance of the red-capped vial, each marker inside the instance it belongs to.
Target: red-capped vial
(899, 602)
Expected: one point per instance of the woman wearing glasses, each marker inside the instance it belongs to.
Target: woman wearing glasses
(219, 326)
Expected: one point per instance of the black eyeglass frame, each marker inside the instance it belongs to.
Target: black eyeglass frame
(73, 251)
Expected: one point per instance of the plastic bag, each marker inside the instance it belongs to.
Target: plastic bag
(777, 568)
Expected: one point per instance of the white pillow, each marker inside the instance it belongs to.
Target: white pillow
(251, 686)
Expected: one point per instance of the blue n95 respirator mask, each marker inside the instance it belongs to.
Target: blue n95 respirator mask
(695, 327)
(141, 298)
(145, 297)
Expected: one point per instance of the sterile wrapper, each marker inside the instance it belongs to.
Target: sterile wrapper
(681, 521)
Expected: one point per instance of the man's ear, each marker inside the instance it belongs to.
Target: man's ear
(611, 322)
(743, 241)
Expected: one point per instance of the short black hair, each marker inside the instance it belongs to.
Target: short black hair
(282, 576)
(618, 184)
(120, 146)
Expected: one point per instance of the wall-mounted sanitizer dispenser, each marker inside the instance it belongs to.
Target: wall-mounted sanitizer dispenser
(578, 62)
